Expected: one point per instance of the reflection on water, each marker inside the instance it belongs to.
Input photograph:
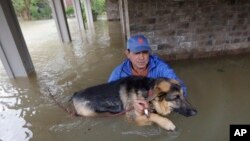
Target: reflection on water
(218, 87)
(12, 112)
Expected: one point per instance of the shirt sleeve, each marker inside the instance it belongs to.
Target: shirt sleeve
(116, 74)
(113, 76)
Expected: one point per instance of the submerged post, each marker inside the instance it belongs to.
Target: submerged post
(13, 49)
(88, 11)
(78, 13)
(59, 15)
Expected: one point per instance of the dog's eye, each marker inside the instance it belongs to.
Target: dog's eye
(176, 87)
(177, 97)
(162, 93)
(172, 97)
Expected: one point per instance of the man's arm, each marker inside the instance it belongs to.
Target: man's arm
(113, 76)
(116, 74)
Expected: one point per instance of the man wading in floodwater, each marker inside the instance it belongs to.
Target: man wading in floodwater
(141, 62)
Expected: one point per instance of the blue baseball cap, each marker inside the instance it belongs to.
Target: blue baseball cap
(138, 43)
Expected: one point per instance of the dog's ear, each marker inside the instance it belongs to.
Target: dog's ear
(164, 86)
(173, 81)
(174, 92)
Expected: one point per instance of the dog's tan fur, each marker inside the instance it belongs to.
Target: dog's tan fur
(161, 107)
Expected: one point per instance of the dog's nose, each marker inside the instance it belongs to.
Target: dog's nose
(192, 112)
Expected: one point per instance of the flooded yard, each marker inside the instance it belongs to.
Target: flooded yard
(218, 87)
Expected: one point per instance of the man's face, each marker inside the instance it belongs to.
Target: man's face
(139, 60)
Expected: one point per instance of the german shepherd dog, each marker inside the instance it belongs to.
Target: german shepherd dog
(164, 95)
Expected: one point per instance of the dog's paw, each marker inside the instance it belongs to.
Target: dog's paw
(169, 126)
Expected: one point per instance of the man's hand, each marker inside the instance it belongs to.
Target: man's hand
(140, 105)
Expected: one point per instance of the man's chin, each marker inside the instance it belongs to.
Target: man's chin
(142, 67)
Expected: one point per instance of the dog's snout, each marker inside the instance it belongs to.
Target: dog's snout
(191, 112)
(187, 112)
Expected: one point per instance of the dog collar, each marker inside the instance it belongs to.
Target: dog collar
(151, 96)
(150, 93)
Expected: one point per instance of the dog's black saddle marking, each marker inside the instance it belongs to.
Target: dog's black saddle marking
(102, 98)
(106, 97)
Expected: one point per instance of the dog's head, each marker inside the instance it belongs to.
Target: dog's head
(169, 97)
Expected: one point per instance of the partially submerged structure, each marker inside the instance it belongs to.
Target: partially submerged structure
(177, 29)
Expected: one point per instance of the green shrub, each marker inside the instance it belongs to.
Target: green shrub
(70, 11)
(98, 7)
(35, 9)
(40, 11)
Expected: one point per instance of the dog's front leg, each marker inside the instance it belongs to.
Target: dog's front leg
(162, 121)
(142, 120)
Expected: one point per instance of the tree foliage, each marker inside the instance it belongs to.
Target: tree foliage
(69, 11)
(32, 9)
(40, 9)
(98, 6)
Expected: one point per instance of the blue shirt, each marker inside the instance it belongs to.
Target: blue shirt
(157, 68)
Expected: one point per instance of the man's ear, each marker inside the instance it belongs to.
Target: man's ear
(126, 53)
